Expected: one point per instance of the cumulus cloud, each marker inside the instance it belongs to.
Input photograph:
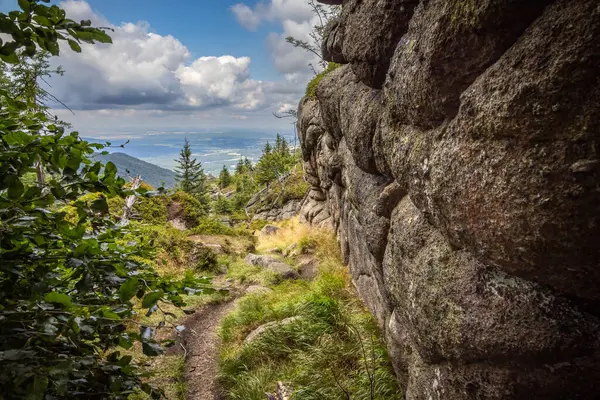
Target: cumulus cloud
(145, 70)
(297, 20)
(248, 18)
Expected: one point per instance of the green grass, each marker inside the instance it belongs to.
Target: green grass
(322, 354)
(311, 88)
(243, 273)
(167, 373)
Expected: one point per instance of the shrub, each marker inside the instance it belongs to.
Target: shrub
(212, 226)
(311, 89)
(192, 208)
(205, 259)
(152, 210)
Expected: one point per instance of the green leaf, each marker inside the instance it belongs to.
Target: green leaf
(152, 349)
(42, 20)
(100, 205)
(25, 6)
(125, 342)
(58, 298)
(110, 315)
(128, 289)
(74, 46)
(151, 298)
(110, 169)
(15, 190)
(38, 388)
(9, 58)
(125, 360)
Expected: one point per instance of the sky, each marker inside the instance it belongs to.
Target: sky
(184, 65)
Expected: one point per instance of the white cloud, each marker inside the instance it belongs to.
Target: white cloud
(145, 70)
(246, 17)
(297, 20)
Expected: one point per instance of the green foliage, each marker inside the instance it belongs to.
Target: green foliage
(332, 344)
(332, 348)
(192, 207)
(245, 188)
(190, 175)
(205, 259)
(311, 88)
(243, 166)
(258, 224)
(212, 226)
(67, 282)
(224, 178)
(274, 162)
(152, 210)
(37, 26)
(222, 205)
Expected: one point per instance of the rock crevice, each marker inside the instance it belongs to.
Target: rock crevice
(456, 156)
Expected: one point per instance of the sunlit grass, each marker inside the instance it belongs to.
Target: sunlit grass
(332, 348)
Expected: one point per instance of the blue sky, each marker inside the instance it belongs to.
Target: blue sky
(206, 27)
(184, 65)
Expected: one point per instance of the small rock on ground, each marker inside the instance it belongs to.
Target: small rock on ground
(274, 264)
(269, 230)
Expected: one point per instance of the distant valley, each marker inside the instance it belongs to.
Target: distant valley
(150, 173)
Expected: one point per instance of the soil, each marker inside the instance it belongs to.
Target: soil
(200, 345)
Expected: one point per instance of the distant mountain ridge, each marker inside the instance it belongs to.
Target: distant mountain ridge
(150, 173)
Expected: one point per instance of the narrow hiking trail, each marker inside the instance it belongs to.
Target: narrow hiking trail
(201, 343)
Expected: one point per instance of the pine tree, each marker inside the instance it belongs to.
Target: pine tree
(190, 175)
(267, 149)
(281, 145)
(240, 168)
(224, 178)
(248, 165)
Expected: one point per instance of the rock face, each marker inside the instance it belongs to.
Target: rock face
(274, 214)
(456, 156)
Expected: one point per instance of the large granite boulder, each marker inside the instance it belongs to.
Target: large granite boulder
(456, 156)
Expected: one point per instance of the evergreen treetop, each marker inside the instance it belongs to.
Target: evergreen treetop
(190, 174)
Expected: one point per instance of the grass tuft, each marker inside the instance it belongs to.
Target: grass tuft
(311, 88)
(332, 348)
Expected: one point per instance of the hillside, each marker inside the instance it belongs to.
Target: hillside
(150, 173)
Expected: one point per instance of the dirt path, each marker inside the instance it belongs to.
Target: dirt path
(201, 342)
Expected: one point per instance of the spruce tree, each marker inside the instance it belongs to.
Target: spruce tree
(190, 175)
(281, 145)
(240, 168)
(224, 177)
(248, 165)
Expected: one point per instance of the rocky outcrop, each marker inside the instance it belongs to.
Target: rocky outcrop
(456, 156)
(273, 213)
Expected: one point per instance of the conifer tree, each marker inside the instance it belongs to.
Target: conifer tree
(190, 174)
(268, 148)
(240, 168)
(248, 165)
(224, 178)
(281, 145)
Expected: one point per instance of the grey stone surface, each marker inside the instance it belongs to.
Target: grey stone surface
(274, 264)
(456, 157)
(269, 230)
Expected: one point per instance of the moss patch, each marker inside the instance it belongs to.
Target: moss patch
(311, 88)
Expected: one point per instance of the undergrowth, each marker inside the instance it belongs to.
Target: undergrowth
(332, 350)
